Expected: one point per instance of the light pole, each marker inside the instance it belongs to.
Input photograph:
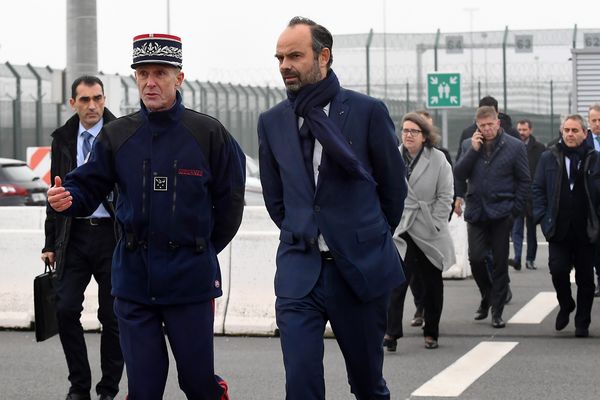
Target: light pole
(384, 53)
(169, 16)
(471, 10)
(537, 83)
(485, 68)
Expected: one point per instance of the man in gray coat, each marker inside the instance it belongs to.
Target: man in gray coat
(495, 167)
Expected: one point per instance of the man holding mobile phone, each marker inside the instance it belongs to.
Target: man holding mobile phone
(495, 167)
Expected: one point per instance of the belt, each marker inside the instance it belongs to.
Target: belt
(326, 256)
(93, 221)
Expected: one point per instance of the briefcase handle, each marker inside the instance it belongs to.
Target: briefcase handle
(47, 266)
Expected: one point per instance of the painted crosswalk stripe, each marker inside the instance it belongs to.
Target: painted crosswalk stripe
(455, 379)
(536, 310)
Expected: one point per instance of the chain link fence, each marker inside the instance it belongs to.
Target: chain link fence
(536, 64)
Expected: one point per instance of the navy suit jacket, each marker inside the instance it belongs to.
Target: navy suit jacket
(355, 217)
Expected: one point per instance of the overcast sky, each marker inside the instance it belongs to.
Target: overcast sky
(234, 40)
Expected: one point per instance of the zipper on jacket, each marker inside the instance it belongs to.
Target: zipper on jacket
(174, 188)
(173, 204)
(144, 185)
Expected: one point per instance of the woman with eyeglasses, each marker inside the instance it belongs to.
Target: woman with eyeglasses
(423, 236)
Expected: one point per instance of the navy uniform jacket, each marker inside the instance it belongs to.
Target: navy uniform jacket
(181, 183)
(355, 217)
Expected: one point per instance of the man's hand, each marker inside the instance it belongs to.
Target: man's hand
(58, 198)
(458, 203)
(477, 140)
(49, 257)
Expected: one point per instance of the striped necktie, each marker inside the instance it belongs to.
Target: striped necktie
(86, 145)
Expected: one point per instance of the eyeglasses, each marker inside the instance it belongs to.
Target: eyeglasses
(411, 132)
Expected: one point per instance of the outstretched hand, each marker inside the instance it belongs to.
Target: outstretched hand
(58, 198)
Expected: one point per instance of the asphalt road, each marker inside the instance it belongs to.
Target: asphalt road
(543, 364)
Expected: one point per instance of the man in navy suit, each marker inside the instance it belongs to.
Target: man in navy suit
(332, 180)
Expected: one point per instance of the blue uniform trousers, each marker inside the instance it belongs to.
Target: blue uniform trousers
(358, 327)
(189, 328)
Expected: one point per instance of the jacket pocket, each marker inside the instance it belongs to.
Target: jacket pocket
(292, 241)
(287, 237)
(371, 232)
(503, 196)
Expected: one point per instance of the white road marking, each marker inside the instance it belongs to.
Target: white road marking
(536, 310)
(455, 379)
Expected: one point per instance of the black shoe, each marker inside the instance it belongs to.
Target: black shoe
(498, 322)
(78, 396)
(515, 264)
(482, 312)
(581, 332)
(508, 295)
(530, 265)
(390, 344)
(105, 397)
(562, 318)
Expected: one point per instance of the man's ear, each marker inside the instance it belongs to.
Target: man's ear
(324, 57)
(180, 76)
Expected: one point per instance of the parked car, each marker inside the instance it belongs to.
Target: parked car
(19, 186)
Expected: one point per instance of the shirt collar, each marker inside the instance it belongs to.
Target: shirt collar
(94, 130)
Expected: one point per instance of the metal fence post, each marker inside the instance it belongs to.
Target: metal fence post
(265, 95)
(216, 92)
(16, 101)
(227, 108)
(504, 67)
(38, 106)
(407, 96)
(368, 52)
(202, 96)
(435, 50)
(552, 105)
(193, 94)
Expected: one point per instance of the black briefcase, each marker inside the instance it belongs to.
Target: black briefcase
(44, 301)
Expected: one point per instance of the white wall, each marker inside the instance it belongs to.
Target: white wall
(247, 264)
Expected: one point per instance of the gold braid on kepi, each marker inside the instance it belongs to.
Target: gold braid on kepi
(157, 48)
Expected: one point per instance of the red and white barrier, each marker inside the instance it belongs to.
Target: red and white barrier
(38, 159)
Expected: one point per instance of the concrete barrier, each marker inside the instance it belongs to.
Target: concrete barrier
(246, 307)
(247, 265)
(21, 243)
